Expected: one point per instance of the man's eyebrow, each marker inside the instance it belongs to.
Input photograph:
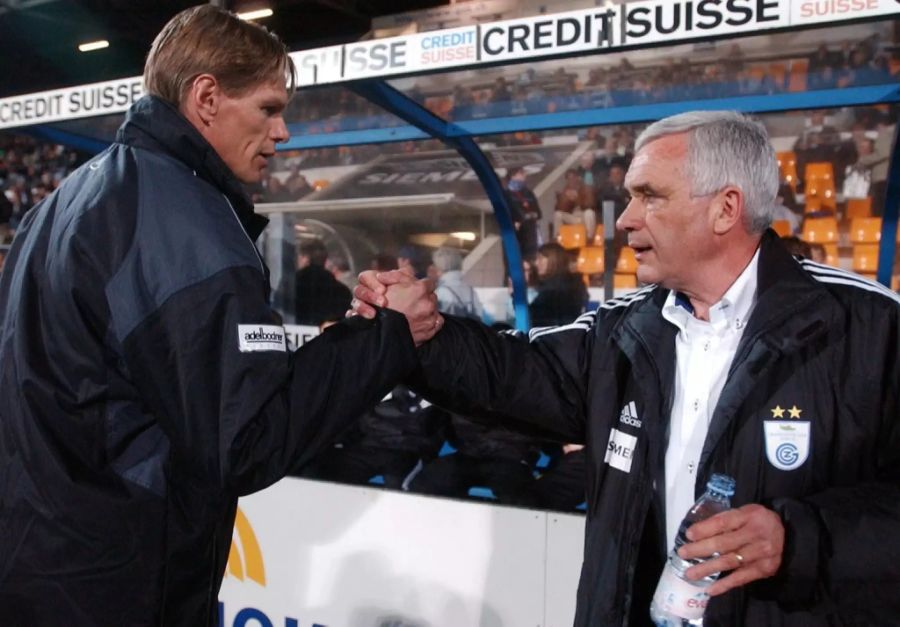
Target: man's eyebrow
(640, 188)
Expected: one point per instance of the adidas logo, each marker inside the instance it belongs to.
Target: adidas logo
(629, 415)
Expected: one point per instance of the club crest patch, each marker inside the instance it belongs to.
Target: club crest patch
(787, 443)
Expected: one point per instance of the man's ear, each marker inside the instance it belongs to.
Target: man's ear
(201, 103)
(728, 209)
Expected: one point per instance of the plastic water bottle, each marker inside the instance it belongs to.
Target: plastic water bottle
(679, 601)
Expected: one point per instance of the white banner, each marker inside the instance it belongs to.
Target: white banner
(73, 102)
(621, 26)
(310, 553)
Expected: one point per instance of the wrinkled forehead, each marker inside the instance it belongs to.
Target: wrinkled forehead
(664, 156)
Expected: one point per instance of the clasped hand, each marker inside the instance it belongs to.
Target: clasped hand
(401, 292)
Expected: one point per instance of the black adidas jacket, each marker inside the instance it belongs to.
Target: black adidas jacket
(820, 339)
(145, 385)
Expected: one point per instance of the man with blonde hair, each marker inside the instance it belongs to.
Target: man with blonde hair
(146, 383)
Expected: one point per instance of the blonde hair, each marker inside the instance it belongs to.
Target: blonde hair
(205, 39)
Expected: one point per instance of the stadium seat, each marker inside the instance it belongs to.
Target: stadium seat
(598, 235)
(572, 236)
(782, 227)
(859, 208)
(812, 204)
(320, 184)
(787, 163)
(865, 259)
(865, 230)
(823, 190)
(832, 258)
(822, 170)
(626, 269)
(799, 69)
(820, 230)
(590, 260)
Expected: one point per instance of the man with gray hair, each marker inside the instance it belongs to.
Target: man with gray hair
(735, 358)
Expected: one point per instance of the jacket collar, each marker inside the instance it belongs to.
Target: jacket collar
(154, 124)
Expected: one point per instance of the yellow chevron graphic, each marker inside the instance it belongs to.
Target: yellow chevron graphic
(251, 566)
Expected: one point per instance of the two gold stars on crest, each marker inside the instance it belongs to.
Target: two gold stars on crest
(778, 412)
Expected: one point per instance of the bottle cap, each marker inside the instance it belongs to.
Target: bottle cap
(722, 484)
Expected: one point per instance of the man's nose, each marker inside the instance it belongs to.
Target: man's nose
(632, 216)
(279, 132)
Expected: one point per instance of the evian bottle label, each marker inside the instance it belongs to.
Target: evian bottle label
(680, 597)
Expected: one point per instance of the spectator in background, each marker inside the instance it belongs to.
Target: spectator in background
(592, 172)
(455, 296)
(874, 158)
(383, 262)
(614, 190)
(561, 294)
(525, 210)
(340, 269)
(821, 142)
(6, 212)
(296, 185)
(575, 204)
(318, 296)
(413, 259)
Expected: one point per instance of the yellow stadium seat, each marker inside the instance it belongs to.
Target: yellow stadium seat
(865, 259)
(812, 204)
(319, 184)
(822, 170)
(820, 230)
(572, 236)
(598, 235)
(590, 260)
(831, 255)
(865, 230)
(821, 189)
(787, 163)
(797, 80)
(859, 207)
(626, 269)
(782, 227)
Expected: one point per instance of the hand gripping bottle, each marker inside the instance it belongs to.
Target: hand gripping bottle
(678, 601)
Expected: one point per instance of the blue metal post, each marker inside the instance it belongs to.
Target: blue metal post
(888, 248)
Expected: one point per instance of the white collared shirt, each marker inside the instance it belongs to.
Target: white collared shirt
(703, 355)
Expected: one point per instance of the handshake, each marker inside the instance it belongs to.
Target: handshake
(402, 292)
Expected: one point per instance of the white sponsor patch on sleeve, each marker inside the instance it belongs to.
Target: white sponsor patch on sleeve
(261, 337)
(620, 450)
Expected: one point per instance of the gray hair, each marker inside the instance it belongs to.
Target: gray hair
(447, 259)
(726, 148)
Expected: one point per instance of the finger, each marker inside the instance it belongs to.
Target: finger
(717, 545)
(721, 564)
(365, 295)
(407, 270)
(369, 278)
(363, 309)
(392, 277)
(716, 525)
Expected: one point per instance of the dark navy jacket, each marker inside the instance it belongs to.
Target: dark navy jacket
(821, 340)
(145, 384)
